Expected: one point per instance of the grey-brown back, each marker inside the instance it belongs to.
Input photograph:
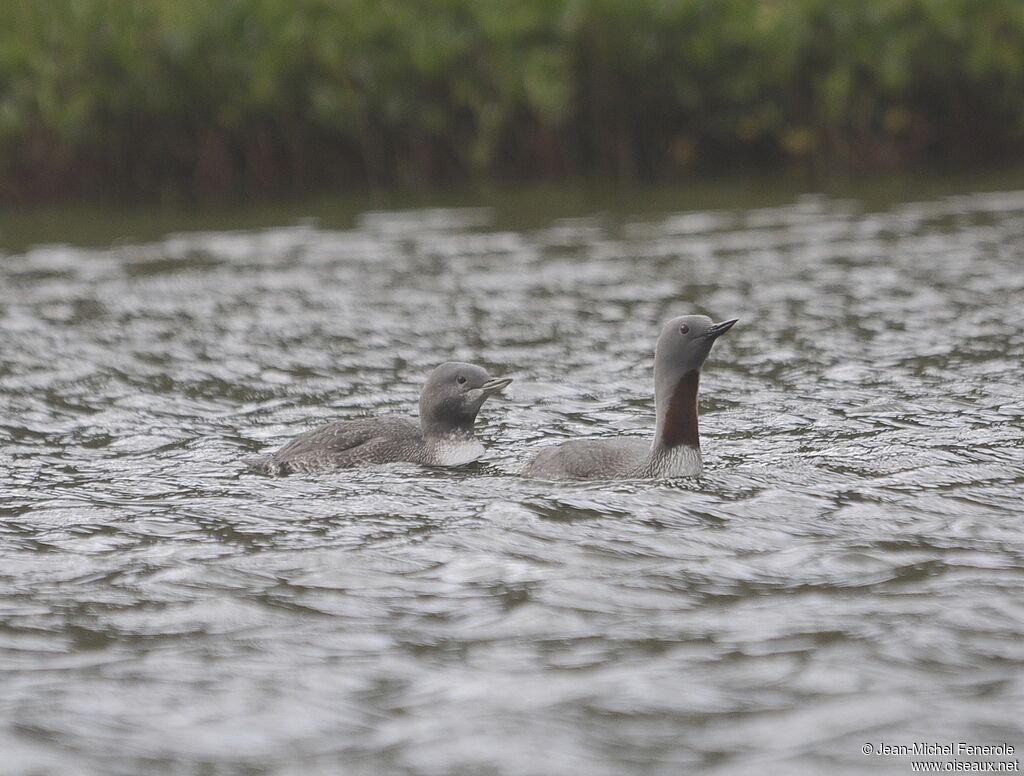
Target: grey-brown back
(347, 443)
(590, 459)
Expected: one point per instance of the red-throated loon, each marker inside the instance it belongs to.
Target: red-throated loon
(682, 346)
(449, 403)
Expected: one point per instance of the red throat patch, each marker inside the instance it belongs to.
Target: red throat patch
(681, 416)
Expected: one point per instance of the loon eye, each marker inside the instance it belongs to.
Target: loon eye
(684, 329)
(460, 379)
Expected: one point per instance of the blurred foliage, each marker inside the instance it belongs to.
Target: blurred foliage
(193, 98)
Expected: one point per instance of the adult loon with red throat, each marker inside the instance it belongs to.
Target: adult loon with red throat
(683, 345)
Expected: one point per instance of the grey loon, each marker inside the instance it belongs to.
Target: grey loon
(682, 346)
(449, 403)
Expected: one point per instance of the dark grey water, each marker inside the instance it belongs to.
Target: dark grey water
(848, 570)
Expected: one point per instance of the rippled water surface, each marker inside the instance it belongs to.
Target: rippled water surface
(849, 569)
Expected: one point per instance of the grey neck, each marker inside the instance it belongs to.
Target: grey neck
(447, 426)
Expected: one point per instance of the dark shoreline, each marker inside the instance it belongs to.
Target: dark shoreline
(196, 102)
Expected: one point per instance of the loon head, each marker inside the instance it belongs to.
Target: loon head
(452, 397)
(685, 342)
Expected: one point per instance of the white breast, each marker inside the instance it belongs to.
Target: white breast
(456, 452)
(681, 461)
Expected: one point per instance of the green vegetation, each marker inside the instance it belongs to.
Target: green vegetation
(193, 98)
